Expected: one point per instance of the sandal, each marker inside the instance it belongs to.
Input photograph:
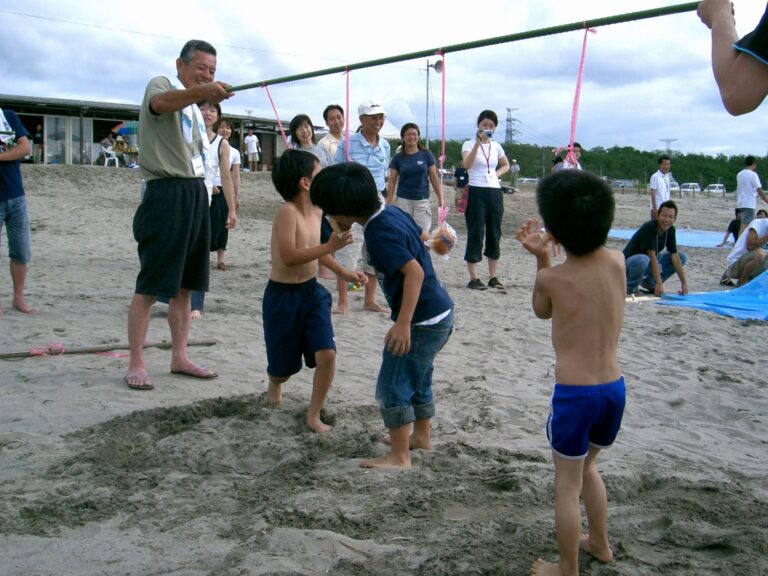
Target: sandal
(494, 283)
(476, 284)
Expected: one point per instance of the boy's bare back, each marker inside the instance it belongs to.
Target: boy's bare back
(586, 302)
(295, 226)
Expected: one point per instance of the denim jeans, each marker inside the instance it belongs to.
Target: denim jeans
(13, 214)
(639, 270)
(404, 386)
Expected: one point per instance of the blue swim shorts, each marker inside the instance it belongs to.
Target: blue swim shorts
(297, 321)
(584, 416)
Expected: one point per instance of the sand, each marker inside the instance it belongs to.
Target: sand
(200, 477)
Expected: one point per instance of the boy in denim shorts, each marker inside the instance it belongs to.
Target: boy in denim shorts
(421, 308)
(584, 297)
(14, 145)
(296, 309)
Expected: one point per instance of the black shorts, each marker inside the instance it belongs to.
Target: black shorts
(219, 214)
(172, 227)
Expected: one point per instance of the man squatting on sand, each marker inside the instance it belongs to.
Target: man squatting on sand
(584, 297)
(172, 224)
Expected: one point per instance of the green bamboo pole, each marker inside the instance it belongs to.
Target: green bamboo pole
(618, 19)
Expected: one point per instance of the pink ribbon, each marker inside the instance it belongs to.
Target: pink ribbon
(571, 157)
(52, 349)
(279, 123)
(442, 144)
(346, 117)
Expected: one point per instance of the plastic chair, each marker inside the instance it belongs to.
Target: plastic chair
(110, 156)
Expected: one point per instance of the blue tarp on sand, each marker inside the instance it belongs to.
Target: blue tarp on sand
(692, 238)
(746, 302)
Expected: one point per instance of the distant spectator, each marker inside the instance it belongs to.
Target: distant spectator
(660, 185)
(109, 140)
(734, 227)
(748, 186)
(334, 119)
(514, 172)
(557, 164)
(253, 150)
(38, 142)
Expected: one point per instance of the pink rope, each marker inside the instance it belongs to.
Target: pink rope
(279, 123)
(571, 157)
(346, 117)
(442, 212)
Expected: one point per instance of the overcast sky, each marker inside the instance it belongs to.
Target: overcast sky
(644, 81)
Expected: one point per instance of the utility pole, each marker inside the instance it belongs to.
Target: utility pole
(509, 136)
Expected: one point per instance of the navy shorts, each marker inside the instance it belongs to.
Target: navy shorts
(584, 416)
(297, 321)
(173, 229)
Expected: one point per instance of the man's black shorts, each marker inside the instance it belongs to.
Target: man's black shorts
(173, 229)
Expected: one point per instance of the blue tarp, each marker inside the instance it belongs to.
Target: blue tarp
(746, 302)
(693, 238)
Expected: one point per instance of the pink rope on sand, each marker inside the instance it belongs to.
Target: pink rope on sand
(279, 123)
(571, 157)
(52, 349)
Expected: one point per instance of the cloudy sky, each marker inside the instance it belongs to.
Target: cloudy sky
(644, 81)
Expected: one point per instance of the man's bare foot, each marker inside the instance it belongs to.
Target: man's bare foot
(374, 307)
(274, 394)
(341, 308)
(195, 315)
(388, 462)
(317, 425)
(138, 380)
(21, 305)
(600, 552)
(414, 442)
(542, 568)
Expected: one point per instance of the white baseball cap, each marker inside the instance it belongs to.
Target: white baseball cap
(368, 108)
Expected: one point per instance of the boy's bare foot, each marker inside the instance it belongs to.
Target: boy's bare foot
(414, 442)
(274, 394)
(600, 552)
(388, 462)
(21, 305)
(317, 425)
(341, 308)
(374, 307)
(195, 315)
(543, 568)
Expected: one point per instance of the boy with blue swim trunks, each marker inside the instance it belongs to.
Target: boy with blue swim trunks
(296, 308)
(584, 297)
(421, 308)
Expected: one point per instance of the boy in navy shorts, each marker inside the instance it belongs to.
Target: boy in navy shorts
(584, 297)
(296, 308)
(421, 308)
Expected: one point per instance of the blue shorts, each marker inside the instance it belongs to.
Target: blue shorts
(13, 214)
(585, 415)
(404, 385)
(297, 321)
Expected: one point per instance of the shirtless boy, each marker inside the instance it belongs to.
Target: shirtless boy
(584, 297)
(296, 308)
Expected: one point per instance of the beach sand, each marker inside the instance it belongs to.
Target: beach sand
(200, 477)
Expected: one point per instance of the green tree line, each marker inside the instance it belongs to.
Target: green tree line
(616, 163)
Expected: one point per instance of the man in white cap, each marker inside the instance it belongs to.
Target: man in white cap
(372, 151)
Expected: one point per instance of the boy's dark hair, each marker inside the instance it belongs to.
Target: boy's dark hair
(662, 158)
(577, 208)
(761, 211)
(749, 160)
(332, 107)
(291, 167)
(345, 189)
(668, 204)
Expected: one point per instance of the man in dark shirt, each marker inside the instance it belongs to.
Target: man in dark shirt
(645, 268)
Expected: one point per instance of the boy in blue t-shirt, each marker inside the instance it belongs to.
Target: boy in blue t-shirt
(421, 308)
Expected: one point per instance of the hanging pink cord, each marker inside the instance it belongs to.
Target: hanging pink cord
(279, 123)
(442, 211)
(346, 118)
(571, 157)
